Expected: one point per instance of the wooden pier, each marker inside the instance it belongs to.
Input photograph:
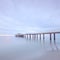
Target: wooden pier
(35, 35)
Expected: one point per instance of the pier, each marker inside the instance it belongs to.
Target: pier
(41, 35)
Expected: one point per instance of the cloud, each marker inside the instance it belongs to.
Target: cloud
(29, 16)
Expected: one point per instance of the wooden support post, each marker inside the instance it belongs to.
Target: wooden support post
(40, 36)
(30, 36)
(37, 36)
(50, 38)
(54, 37)
(27, 36)
(43, 37)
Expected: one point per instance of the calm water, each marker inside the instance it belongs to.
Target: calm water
(12, 48)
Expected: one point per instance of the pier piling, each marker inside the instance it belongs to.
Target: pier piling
(50, 36)
(54, 37)
(43, 37)
(38, 35)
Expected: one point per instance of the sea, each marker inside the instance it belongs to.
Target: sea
(16, 48)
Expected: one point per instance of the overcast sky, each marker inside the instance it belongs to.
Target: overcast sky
(22, 16)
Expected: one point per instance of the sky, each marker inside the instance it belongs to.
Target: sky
(26, 16)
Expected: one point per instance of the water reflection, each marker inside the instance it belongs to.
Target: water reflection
(54, 44)
(44, 43)
(21, 48)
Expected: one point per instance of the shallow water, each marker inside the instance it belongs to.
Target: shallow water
(12, 48)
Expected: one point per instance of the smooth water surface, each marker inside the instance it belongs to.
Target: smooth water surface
(12, 48)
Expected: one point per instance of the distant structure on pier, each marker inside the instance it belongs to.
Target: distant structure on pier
(19, 35)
